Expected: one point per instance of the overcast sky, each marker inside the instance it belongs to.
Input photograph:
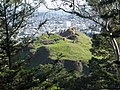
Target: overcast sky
(50, 5)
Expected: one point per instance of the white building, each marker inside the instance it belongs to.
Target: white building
(67, 24)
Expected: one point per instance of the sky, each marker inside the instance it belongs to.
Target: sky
(42, 7)
(50, 5)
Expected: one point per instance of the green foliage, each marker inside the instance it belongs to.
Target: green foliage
(101, 47)
(102, 75)
(43, 77)
(54, 75)
(18, 77)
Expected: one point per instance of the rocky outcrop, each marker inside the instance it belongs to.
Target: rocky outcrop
(41, 56)
(46, 42)
(73, 65)
(70, 33)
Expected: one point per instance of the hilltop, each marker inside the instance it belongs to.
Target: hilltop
(66, 46)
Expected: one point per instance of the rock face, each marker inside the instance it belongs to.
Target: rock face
(70, 33)
(46, 42)
(73, 65)
(41, 56)
(79, 66)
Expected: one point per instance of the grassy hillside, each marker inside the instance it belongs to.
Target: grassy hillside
(77, 49)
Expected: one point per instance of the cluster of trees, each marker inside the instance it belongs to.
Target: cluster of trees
(104, 67)
(16, 75)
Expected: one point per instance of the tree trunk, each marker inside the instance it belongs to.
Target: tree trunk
(8, 52)
(116, 49)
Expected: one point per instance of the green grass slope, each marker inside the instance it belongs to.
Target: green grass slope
(66, 49)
